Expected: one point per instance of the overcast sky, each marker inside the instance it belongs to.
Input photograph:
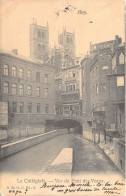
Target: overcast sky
(16, 16)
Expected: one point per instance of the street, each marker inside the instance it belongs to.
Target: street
(87, 157)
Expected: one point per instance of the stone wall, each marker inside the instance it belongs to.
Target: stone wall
(119, 149)
(14, 147)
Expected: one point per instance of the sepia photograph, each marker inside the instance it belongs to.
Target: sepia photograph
(62, 97)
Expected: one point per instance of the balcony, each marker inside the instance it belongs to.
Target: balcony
(76, 91)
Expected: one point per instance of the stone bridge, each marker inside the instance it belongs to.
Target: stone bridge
(68, 121)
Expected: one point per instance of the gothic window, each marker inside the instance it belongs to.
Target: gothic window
(68, 40)
(43, 48)
(71, 40)
(39, 34)
(43, 34)
(121, 58)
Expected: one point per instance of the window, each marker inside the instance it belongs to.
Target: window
(29, 74)
(29, 90)
(21, 89)
(37, 77)
(68, 40)
(38, 91)
(6, 87)
(43, 48)
(96, 88)
(39, 34)
(6, 70)
(73, 74)
(67, 88)
(59, 86)
(46, 78)
(21, 107)
(46, 92)
(38, 107)
(14, 71)
(121, 58)
(14, 89)
(21, 74)
(29, 108)
(74, 87)
(120, 81)
(14, 107)
(46, 108)
(43, 34)
(70, 87)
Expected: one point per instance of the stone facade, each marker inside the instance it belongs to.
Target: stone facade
(39, 41)
(28, 87)
(101, 71)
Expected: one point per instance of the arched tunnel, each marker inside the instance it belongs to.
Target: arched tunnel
(71, 124)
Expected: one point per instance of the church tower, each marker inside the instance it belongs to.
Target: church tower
(39, 41)
(66, 41)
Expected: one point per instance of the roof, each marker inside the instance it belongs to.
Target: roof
(37, 61)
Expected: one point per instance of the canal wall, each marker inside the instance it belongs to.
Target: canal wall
(14, 147)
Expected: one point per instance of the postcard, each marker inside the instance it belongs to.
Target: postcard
(62, 97)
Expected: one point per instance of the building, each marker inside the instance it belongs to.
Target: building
(28, 87)
(105, 48)
(116, 81)
(67, 77)
(39, 41)
(64, 52)
(98, 113)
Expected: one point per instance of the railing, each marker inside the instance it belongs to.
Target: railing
(70, 92)
(69, 116)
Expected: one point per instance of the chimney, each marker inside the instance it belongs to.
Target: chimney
(15, 51)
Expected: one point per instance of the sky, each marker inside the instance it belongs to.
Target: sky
(17, 15)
